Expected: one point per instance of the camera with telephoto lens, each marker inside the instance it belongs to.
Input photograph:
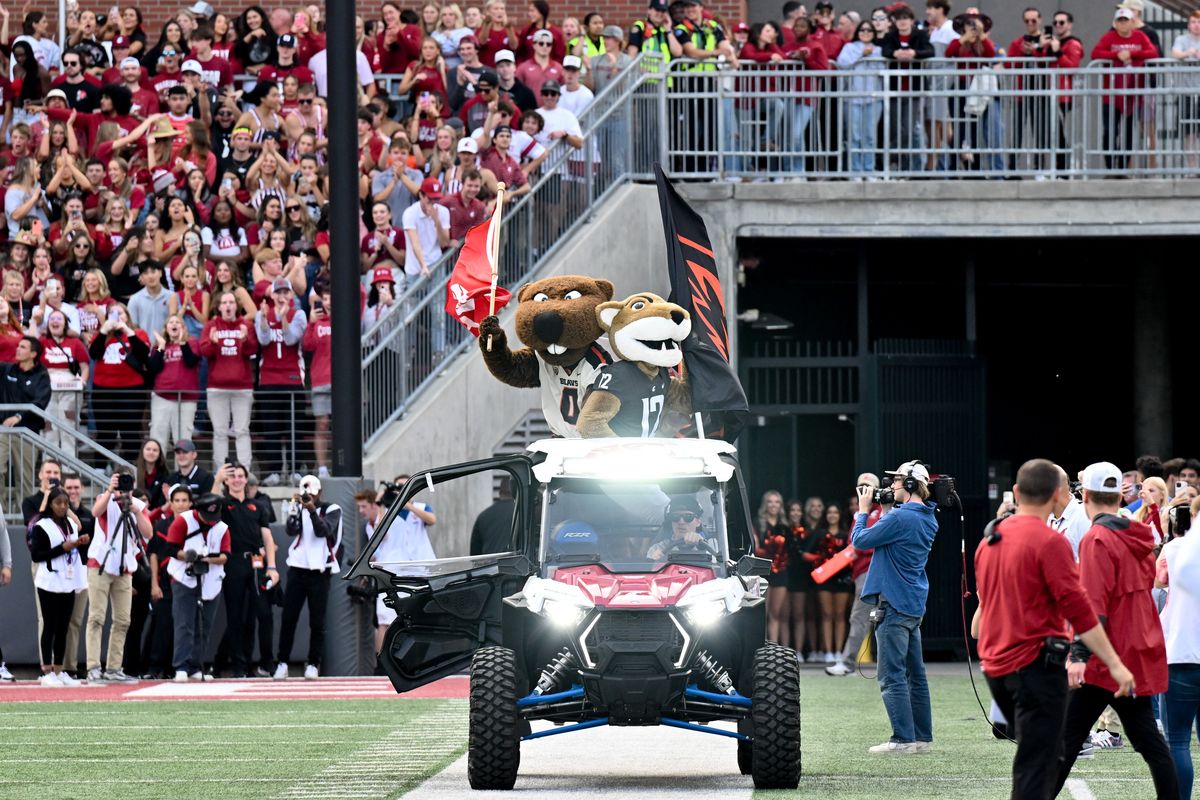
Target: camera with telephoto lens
(884, 497)
(306, 498)
(124, 483)
(196, 566)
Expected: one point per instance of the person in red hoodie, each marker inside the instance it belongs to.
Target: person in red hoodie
(1126, 47)
(229, 344)
(120, 353)
(317, 339)
(279, 327)
(1116, 567)
(1028, 588)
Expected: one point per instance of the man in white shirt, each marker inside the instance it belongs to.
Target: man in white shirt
(319, 64)
(407, 539)
(1069, 518)
(426, 229)
(575, 96)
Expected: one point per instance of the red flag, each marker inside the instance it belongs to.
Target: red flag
(469, 293)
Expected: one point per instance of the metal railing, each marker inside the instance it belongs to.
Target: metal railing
(404, 351)
(22, 450)
(988, 118)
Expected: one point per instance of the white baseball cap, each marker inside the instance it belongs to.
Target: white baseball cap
(310, 484)
(192, 65)
(130, 61)
(914, 468)
(468, 145)
(505, 55)
(1103, 476)
(572, 62)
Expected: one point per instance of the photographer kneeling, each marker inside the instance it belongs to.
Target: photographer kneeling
(121, 527)
(897, 583)
(316, 530)
(200, 545)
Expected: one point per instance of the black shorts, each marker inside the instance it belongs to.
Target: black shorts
(800, 579)
(837, 585)
(777, 579)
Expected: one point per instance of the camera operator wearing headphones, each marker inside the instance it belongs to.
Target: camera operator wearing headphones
(121, 527)
(1027, 584)
(316, 531)
(1116, 569)
(897, 583)
(199, 543)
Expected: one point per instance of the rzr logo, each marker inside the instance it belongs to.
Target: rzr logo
(576, 535)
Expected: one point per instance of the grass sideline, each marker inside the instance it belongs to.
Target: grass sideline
(300, 749)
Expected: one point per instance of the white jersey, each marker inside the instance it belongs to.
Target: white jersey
(407, 539)
(563, 389)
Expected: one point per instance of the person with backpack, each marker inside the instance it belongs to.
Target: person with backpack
(316, 530)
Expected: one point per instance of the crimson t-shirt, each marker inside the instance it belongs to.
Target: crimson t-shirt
(1029, 589)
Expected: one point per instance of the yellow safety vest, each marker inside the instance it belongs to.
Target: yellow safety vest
(705, 38)
(654, 40)
(590, 50)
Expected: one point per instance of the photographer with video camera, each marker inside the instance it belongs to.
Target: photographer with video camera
(896, 582)
(199, 543)
(1116, 568)
(121, 527)
(1028, 588)
(316, 530)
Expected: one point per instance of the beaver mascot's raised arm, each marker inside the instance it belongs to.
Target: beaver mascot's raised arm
(557, 323)
(629, 397)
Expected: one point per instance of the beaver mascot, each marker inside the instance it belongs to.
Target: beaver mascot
(629, 398)
(557, 323)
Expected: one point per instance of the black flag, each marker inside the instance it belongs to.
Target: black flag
(716, 390)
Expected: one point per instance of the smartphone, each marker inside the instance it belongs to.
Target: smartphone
(1008, 498)
(114, 315)
(76, 213)
(1180, 487)
(1048, 30)
(425, 96)
(227, 183)
(319, 306)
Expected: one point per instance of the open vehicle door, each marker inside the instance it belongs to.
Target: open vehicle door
(448, 600)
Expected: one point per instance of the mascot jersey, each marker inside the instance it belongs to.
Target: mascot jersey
(563, 389)
(642, 398)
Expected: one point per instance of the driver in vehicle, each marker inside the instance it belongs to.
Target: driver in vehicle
(684, 517)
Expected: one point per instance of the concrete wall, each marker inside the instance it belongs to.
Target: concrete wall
(467, 413)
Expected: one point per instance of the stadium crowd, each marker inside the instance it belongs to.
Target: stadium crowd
(165, 246)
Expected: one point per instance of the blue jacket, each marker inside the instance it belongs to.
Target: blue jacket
(901, 539)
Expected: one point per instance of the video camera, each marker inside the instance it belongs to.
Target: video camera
(884, 497)
(196, 565)
(390, 492)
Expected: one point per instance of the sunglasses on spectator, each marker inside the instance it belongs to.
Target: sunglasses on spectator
(1060, 22)
(168, 53)
(683, 516)
(879, 17)
(304, 102)
(293, 208)
(541, 44)
(549, 94)
(70, 63)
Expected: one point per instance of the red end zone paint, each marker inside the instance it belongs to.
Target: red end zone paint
(351, 688)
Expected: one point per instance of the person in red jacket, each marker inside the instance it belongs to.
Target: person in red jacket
(279, 327)
(317, 340)
(120, 353)
(229, 344)
(1128, 47)
(1116, 567)
(1027, 585)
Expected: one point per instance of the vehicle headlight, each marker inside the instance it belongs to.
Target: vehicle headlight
(705, 613)
(563, 605)
(563, 614)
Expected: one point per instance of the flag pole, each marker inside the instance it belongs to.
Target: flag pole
(494, 253)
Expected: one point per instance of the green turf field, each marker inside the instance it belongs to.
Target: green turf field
(382, 748)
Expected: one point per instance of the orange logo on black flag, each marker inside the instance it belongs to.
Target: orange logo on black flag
(716, 390)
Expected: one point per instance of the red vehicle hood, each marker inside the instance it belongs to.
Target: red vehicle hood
(638, 590)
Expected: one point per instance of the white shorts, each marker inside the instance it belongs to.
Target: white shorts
(384, 615)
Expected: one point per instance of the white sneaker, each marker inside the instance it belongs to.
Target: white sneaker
(310, 672)
(95, 676)
(5, 675)
(922, 747)
(181, 676)
(281, 672)
(66, 680)
(272, 480)
(119, 676)
(296, 478)
(838, 669)
(196, 677)
(50, 680)
(899, 748)
(830, 658)
(815, 658)
(322, 472)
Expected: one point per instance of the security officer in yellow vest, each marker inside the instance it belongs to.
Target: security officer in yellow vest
(653, 34)
(591, 43)
(704, 41)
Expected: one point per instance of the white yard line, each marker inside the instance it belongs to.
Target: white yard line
(374, 771)
(1079, 789)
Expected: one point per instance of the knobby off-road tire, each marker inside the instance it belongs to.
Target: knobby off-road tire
(493, 744)
(776, 714)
